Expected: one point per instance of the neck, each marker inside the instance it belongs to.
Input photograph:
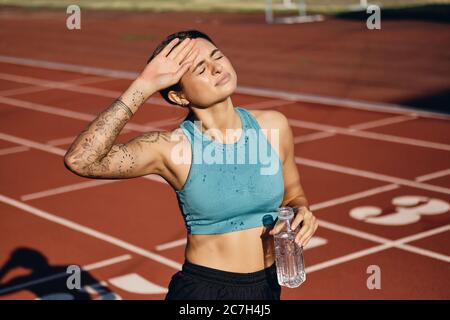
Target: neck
(220, 116)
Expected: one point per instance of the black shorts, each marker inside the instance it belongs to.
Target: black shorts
(196, 282)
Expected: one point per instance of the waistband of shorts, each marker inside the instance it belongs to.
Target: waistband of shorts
(227, 277)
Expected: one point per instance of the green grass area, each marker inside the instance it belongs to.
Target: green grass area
(319, 6)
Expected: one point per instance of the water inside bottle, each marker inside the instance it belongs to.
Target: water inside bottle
(288, 255)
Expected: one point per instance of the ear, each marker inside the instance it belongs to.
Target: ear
(178, 98)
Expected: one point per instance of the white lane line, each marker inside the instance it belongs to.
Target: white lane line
(264, 104)
(64, 189)
(352, 232)
(382, 122)
(330, 225)
(106, 263)
(267, 104)
(69, 67)
(360, 126)
(81, 186)
(433, 175)
(366, 172)
(386, 243)
(340, 102)
(370, 175)
(74, 88)
(313, 136)
(89, 267)
(346, 258)
(369, 135)
(298, 160)
(47, 109)
(171, 244)
(398, 244)
(425, 252)
(89, 184)
(32, 144)
(67, 113)
(296, 123)
(403, 243)
(362, 234)
(58, 151)
(354, 196)
(275, 94)
(335, 227)
(91, 232)
(153, 124)
(62, 152)
(68, 140)
(55, 143)
(37, 87)
(15, 149)
(346, 103)
(423, 234)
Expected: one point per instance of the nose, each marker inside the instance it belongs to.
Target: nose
(217, 67)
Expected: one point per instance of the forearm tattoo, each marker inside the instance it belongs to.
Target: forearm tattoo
(97, 139)
(121, 158)
(94, 153)
(125, 107)
(137, 98)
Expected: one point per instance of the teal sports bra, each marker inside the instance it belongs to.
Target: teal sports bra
(230, 187)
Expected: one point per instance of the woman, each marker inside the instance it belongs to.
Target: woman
(229, 209)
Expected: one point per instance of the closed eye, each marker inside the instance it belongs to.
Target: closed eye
(220, 57)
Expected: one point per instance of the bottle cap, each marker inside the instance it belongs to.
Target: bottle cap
(285, 213)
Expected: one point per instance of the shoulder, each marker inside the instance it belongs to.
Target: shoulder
(270, 119)
(276, 120)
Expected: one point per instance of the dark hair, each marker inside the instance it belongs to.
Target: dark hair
(181, 35)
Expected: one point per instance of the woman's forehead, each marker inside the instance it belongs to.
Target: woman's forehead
(203, 44)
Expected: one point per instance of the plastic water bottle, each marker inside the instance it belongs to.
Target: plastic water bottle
(288, 255)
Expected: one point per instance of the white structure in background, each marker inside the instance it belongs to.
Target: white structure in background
(299, 5)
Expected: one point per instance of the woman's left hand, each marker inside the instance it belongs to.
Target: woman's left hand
(309, 226)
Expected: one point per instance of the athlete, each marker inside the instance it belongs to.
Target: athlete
(230, 206)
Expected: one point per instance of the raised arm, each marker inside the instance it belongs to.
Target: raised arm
(93, 154)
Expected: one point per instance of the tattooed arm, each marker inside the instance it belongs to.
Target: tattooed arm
(93, 154)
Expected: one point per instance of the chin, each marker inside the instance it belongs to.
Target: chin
(226, 94)
(227, 89)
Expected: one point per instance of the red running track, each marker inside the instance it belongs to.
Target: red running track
(359, 168)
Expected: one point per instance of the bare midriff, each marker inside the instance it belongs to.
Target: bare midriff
(241, 251)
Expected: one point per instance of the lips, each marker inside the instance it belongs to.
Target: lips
(224, 79)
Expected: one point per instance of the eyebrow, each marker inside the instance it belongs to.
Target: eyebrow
(211, 54)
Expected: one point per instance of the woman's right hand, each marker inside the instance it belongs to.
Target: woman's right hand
(167, 69)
